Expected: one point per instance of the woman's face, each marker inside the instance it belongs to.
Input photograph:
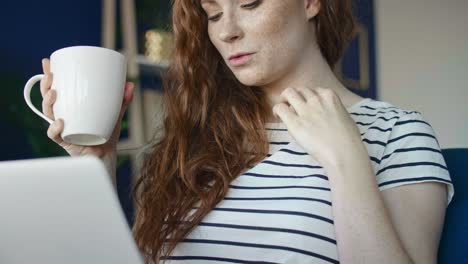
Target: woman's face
(259, 40)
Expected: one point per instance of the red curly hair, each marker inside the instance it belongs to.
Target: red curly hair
(213, 129)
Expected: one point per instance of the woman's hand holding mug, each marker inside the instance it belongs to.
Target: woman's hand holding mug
(84, 99)
(56, 128)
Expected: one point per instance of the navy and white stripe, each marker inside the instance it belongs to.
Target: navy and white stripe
(280, 211)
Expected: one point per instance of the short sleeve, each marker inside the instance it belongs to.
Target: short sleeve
(412, 154)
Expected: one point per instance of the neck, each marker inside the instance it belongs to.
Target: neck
(311, 72)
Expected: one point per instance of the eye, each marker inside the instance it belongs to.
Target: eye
(252, 5)
(215, 17)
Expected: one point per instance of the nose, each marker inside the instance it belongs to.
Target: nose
(230, 30)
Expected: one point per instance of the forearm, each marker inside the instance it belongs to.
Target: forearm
(364, 231)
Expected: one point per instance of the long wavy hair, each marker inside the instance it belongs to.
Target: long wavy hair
(213, 129)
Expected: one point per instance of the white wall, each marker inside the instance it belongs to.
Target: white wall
(422, 62)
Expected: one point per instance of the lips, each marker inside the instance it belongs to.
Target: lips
(240, 59)
(240, 54)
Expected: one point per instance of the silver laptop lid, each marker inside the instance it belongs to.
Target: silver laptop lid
(62, 210)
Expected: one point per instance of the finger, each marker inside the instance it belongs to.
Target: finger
(46, 82)
(46, 65)
(48, 102)
(325, 94)
(323, 91)
(128, 97)
(128, 93)
(329, 98)
(295, 99)
(286, 114)
(54, 131)
(309, 94)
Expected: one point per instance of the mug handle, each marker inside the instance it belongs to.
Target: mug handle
(27, 96)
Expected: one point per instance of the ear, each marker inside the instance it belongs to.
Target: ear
(312, 7)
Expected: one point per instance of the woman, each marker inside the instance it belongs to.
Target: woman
(261, 139)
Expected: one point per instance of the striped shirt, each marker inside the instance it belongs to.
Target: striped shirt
(280, 210)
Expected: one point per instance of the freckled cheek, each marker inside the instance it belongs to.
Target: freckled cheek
(275, 45)
(273, 33)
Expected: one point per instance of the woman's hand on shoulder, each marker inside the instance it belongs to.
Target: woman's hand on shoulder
(320, 123)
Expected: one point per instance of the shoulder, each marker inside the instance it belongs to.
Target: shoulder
(380, 119)
(385, 127)
(402, 145)
(373, 110)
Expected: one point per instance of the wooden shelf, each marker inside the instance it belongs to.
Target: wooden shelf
(147, 68)
(148, 65)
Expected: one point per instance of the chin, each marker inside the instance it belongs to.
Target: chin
(250, 77)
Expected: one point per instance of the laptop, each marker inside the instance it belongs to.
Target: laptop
(62, 210)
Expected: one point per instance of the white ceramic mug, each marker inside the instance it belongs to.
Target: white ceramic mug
(89, 82)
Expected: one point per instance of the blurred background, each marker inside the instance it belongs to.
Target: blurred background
(413, 54)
